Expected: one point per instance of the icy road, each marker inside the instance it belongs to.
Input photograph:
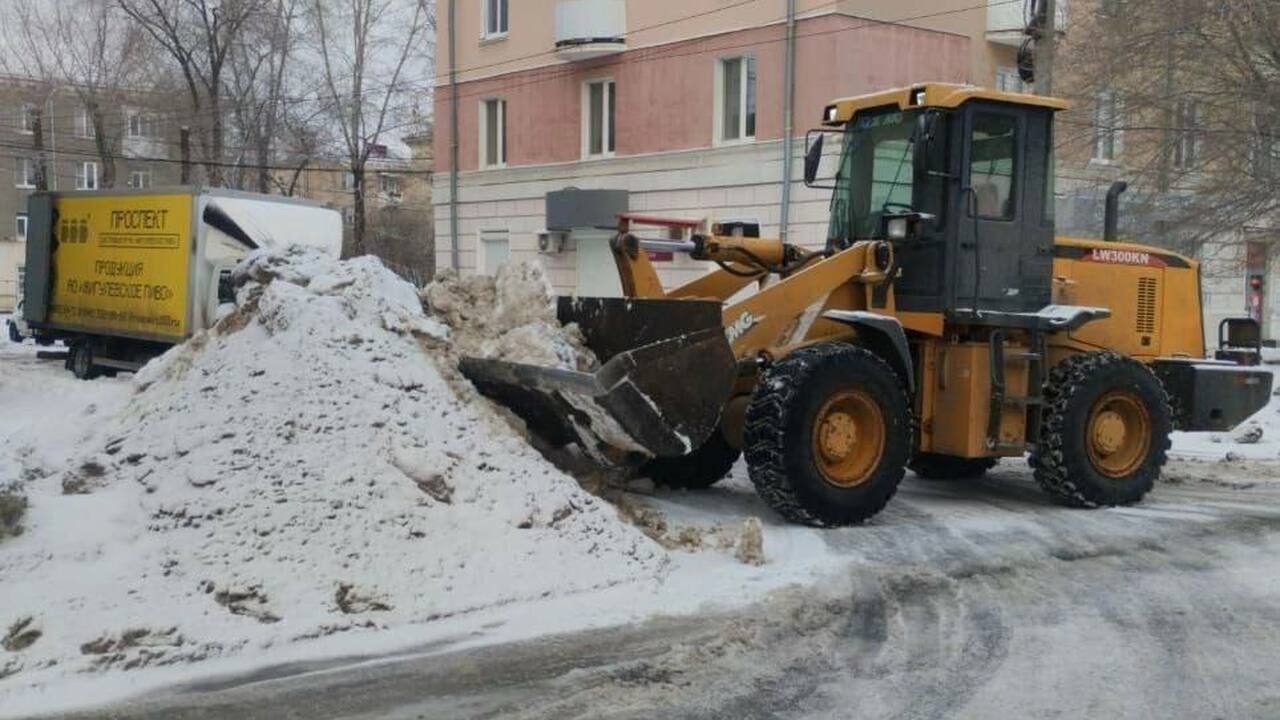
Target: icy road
(968, 600)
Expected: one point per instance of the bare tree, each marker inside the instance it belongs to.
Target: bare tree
(260, 64)
(1186, 95)
(364, 48)
(88, 48)
(199, 35)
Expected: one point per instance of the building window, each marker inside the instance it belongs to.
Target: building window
(143, 125)
(22, 279)
(736, 98)
(140, 179)
(1186, 141)
(493, 249)
(87, 176)
(20, 227)
(30, 115)
(1008, 80)
(599, 103)
(493, 133)
(84, 123)
(348, 181)
(26, 173)
(349, 216)
(1266, 146)
(390, 184)
(1106, 119)
(495, 18)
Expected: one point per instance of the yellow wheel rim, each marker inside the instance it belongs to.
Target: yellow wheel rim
(848, 438)
(1118, 434)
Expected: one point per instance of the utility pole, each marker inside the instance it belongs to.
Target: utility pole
(1046, 42)
(184, 143)
(37, 137)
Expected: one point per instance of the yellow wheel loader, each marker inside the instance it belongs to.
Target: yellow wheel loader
(943, 326)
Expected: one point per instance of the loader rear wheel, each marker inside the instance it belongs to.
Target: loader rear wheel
(698, 470)
(828, 434)
(932, 466)
(1105, 433)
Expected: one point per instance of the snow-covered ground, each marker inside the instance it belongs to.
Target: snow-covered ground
(313, 480)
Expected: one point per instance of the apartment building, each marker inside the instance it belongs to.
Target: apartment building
(145, 153)
(680, 105)
(397, 199)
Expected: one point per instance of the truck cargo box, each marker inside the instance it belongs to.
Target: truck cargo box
(104, 267)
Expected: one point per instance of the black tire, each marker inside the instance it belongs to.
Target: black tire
(698, 470)
(932, 466)
(1064, 458)
(14, 335)
(80, 362)
(780, 440)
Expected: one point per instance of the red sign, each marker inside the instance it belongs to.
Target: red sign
(660, 255)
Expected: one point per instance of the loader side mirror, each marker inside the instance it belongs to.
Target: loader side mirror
(812, 156)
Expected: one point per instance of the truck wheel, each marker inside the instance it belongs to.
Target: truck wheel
(698, 470)
(932, 466)
(80, 362)
(14, 335)
(828, 434)
(1105, 432)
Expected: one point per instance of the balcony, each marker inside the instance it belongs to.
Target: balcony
(588, 29)
(1007, 20)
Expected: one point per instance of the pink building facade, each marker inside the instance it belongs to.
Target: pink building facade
(691, 128)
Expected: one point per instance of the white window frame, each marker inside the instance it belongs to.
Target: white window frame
(20, 225)
(349, 216)
(84, 123)
(141, 125)
(487, 162)
(1187, 141)
(718, 99)
(26, 120)
(485, 238)
(388, 183)
(83, 176)
(608, 129)
(348, 180)
(26, 172)
(1266, 146)
(143, 175)
(500, 25)
(1108, 109)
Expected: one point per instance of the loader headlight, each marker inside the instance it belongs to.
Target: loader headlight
(829, 115)
(896, 229)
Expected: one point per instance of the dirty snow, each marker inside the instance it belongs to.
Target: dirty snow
(309, 467)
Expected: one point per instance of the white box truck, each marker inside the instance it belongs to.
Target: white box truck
(120, 276)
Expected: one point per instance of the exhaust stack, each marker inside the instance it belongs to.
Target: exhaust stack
(1111, 220)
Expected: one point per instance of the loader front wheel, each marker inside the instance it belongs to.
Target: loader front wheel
(828, 434)
(1105, 431)
(698, 470)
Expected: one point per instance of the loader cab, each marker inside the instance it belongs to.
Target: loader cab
(960, 180)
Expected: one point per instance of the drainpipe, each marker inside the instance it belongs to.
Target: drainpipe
(788, 103)
(453, 136)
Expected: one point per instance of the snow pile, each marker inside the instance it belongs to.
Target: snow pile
(312, 465)
(511, 316)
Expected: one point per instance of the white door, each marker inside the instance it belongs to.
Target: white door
(597, 272)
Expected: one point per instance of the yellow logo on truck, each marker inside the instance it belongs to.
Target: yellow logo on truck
(121, 263)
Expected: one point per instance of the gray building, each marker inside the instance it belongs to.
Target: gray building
(142, 143)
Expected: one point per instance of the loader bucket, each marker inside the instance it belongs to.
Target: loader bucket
(666, 372)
